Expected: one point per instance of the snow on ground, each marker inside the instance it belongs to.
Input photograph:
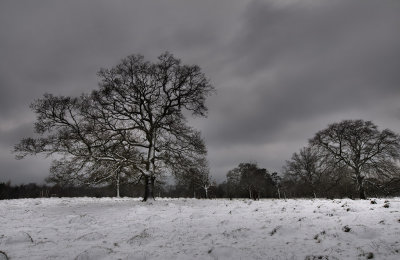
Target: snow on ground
(91, 228)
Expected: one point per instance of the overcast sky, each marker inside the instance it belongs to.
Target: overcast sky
(283, 69)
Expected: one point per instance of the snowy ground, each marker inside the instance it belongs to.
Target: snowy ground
(90, 228)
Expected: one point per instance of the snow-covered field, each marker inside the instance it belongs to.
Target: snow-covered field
(90, 228)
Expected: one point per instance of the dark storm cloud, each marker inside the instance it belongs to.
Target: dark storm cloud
(283, 69)
(307, 59)
(58, 46)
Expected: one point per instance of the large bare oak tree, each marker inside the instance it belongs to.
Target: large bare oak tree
(133, 123)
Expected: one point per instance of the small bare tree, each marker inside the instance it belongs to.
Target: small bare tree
(193, 173)
(312, 168)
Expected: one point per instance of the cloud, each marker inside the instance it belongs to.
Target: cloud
(283, 69)
(303, 60)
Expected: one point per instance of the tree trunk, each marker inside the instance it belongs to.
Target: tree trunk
(152, 182)
(118, 185)
(255, 195)
(362, 193)
(148, 176)
(360, 186)
(148, 187)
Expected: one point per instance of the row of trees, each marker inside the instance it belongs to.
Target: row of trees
(349, 156)
(163, 190)
(32, 190)
(349, 150)
(132, 128)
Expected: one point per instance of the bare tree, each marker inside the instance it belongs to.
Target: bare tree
(143, 103)
(370, 154)
(277, 182)
(193, 173)
(233, 186)
(312, 168)
(134, 121)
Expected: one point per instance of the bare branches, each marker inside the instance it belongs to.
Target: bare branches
(145, 101)
(314, 169)
(362, 147)
(134, 120)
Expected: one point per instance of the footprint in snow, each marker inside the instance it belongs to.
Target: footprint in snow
(91, 236)
(82, 219)
(96, 252)
(142, 237)
(19, 238)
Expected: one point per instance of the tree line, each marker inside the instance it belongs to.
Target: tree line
(133, 130)
(33, 190)
(126, 189)
(351, 158)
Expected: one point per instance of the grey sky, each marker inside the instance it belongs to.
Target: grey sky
(283, 69)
